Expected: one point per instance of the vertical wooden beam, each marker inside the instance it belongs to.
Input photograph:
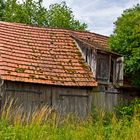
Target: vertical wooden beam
(109, 68)
(96, 64)
(114, 71)
(89, 101)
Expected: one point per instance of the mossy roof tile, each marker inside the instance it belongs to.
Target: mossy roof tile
(43, 55)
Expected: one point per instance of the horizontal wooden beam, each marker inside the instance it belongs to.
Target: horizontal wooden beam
(23, 90)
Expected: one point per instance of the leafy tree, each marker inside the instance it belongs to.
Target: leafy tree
(29, 12)
(126, 41)
(2, 7)
(32, 12)
(60, 15)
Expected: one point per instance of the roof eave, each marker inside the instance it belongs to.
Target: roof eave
(96, 47)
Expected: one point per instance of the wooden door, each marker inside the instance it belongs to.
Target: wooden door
(74, 104)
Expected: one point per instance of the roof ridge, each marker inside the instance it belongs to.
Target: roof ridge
(44, 27)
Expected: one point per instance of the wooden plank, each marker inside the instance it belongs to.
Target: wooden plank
(109, 68)
(119, 71)
(102, 71)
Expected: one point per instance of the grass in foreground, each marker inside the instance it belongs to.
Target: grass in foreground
(44, 124)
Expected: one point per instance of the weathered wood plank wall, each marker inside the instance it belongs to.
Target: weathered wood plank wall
(89, 54)
(107, 68)
(108, 101)
(62, 99)
(105, 101)
(76, 101)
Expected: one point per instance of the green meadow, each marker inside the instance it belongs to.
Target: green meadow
(45, 124)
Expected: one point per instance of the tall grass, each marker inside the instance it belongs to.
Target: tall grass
(45, 124)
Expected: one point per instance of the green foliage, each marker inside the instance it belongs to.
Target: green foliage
(70, 130)
(129, 110)
(60, 15)
(28, 12)
(126, 41)
(32, 12)
(2, 7)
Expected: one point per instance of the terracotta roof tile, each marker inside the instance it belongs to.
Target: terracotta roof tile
(96, 41)
(41, 55)
(93, 38)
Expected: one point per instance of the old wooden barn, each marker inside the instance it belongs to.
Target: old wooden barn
(40, 66)
(64, 69)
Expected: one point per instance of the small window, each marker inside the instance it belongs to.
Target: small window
(102, 67)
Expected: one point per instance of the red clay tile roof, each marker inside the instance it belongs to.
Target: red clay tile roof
(92, 38)
(96, 41)
(100, 42)
(41, 55)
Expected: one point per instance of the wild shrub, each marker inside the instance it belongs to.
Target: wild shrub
(129, 110)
